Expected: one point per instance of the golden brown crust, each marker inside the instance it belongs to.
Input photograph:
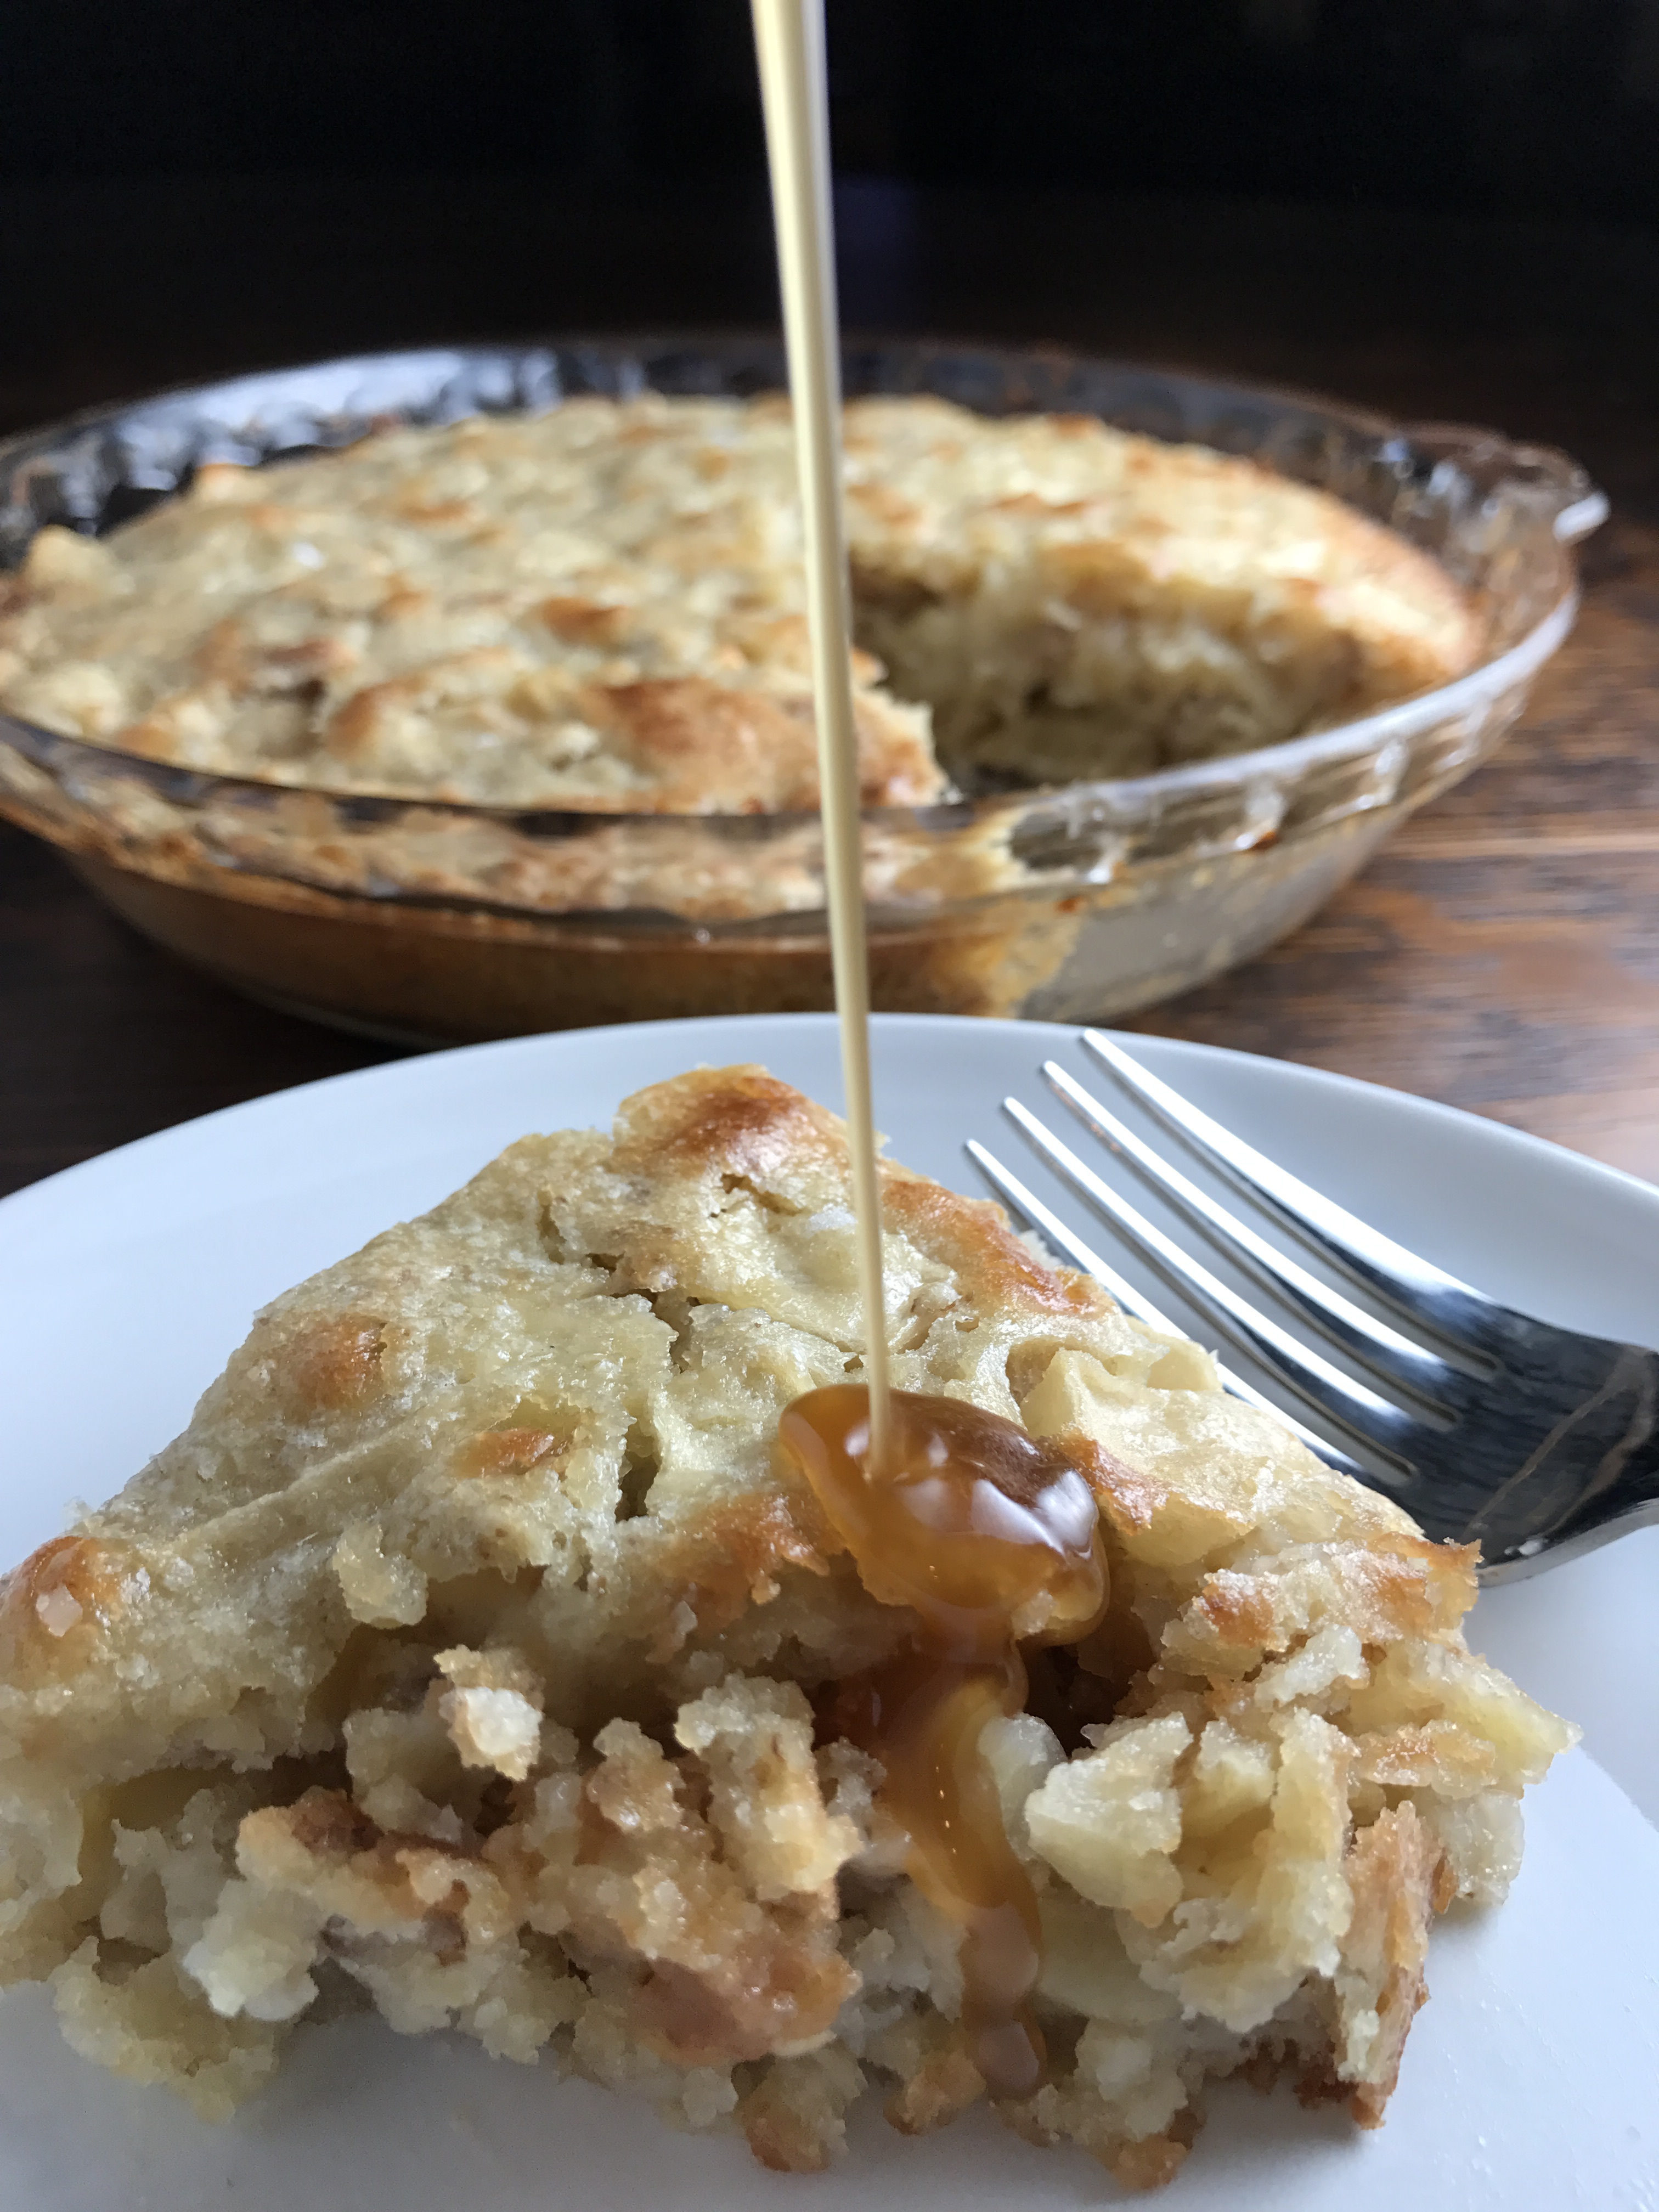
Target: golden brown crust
(721, 1122)
(334, 1363)
(734, 1558)
(58, 1598)
(702, 748)
(510, 1451)
(972, 1236)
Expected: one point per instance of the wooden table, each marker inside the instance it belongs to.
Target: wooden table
(1503, 954)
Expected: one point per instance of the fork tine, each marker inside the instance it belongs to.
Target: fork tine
(1030, 1209)
(1067, 1239)
(1425, 1294)
(1368, 1419)
(1383, 1349)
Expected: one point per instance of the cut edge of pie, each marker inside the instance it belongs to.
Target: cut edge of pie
(471, 1655)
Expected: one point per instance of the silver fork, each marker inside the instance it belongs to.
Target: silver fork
(1486, 1424)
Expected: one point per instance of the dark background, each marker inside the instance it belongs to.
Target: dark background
(1513, 106)
(1439, 207)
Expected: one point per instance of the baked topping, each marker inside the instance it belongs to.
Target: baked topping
(600, 608)
(986, 1536)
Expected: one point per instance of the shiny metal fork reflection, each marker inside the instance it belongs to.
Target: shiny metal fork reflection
(1486, 1424)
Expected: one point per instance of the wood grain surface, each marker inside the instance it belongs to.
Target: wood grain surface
(1502, 954)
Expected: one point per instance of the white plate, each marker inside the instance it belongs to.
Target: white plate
(1531, 2080)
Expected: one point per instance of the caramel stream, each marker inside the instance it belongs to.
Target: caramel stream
(948, 1510)
(789, 41)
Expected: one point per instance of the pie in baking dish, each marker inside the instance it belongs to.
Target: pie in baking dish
(474, 1654)
(600, 608)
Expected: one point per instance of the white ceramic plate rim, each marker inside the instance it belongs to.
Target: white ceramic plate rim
(1528, 2080)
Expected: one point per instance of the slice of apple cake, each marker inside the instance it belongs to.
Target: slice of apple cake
(477, 1654)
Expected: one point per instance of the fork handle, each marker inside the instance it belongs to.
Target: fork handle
(1595, 1478)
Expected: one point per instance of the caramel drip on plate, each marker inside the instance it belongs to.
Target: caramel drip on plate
(988, 1536)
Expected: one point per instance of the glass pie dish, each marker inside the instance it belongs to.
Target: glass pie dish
(421, 919)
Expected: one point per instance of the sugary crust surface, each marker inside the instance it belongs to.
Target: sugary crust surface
(600, 608)
(471, 1654)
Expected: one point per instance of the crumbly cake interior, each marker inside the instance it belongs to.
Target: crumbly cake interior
(473, 1655)
(600, 608)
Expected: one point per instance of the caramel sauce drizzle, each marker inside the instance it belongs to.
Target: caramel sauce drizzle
(972, 1524)
(789, 48)
(951, 1512)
